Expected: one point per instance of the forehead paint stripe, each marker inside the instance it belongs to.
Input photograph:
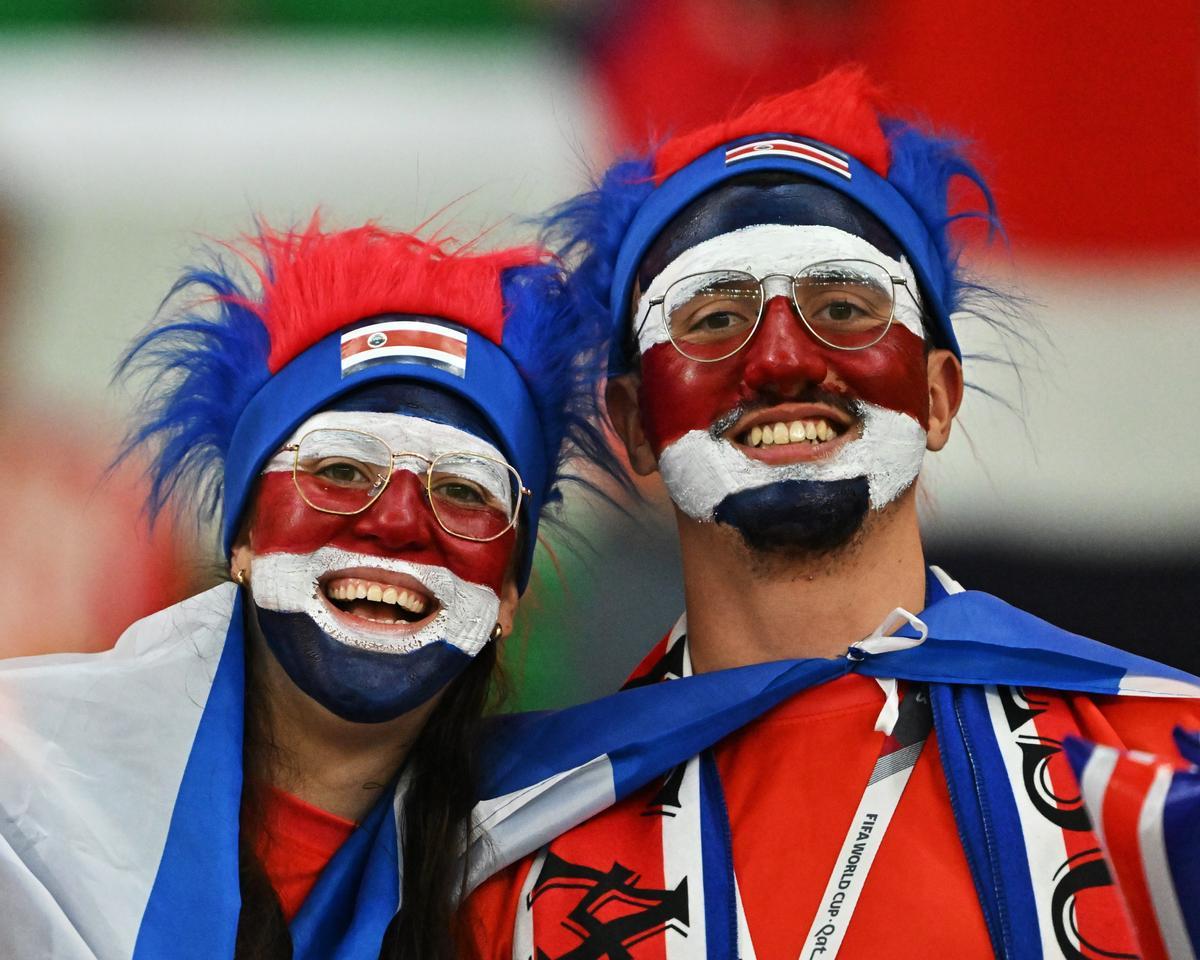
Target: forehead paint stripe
(766, 249)
(488, 473)
(289, 583)
(400, 432)
(700, 471)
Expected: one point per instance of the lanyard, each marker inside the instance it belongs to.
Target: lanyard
(881, 796)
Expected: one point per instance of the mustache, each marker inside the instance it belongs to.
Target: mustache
(847, 405)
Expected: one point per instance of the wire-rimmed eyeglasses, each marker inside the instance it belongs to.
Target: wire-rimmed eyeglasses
(472, 496)
(845, 304)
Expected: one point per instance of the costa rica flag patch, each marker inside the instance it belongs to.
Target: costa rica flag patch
(431, 343)
(789, 148)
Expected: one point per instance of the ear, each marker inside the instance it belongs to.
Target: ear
(625, 412)
(509, 598)
(241, 558)
(945, 379)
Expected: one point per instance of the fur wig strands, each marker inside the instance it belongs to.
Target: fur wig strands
(844, 110)
(227, 327)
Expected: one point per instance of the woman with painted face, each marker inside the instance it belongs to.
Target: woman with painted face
(268, 769)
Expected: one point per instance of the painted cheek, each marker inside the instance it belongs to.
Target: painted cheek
(397, 526)
(283, 523)
(891, 374)
(484, 563)
(678, 395)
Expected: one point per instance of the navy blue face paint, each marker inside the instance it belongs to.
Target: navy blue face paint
(363, 686)
(807, 515)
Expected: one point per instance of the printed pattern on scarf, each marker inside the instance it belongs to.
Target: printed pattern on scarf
(1080, 913)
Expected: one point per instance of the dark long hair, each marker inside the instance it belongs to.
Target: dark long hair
(442, 767)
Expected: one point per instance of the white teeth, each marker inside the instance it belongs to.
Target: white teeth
(354, 589)
(795, 431)
(411, 602)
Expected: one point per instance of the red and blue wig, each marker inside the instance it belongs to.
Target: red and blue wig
(835, 132)
(240, 364)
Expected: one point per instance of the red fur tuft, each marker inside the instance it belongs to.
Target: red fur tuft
(841, 109)
(314, 283)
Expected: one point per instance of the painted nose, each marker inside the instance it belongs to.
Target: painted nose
(400, 520)
(783, 358)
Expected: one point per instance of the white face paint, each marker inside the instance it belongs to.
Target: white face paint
(401, 433)
(290, 583)
(700, 470)
(773, 250)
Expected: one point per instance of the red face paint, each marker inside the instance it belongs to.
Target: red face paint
(781, 362)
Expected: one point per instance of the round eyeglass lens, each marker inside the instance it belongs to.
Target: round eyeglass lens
(473, 496)
(711, 315)
(341, 471)
(846, 303)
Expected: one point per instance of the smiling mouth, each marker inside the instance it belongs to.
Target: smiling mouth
(813, 432)
(378, 602)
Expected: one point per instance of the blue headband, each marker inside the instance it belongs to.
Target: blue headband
(847, 176)
(490, 382)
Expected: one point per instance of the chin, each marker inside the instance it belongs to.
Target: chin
(356, 684)
(797, 516)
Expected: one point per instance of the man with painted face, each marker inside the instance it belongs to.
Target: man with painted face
(270, 768)
(779, 289)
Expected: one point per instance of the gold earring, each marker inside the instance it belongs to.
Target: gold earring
(497, 631)
(240, 576)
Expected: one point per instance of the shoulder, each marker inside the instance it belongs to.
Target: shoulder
(203, 617)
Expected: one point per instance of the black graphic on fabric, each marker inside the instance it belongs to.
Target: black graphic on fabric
(670, 663)
(1019, 707)
(1066, 813)
(634, 913)
(1084, 871)
(666, 802)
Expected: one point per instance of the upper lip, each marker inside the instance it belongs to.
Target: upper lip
(787, 412)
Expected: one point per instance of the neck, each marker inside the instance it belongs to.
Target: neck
(745, 607)
(337, 765)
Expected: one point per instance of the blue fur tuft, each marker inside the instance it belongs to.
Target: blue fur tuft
(545, 337)
(923, 169)
(587, 231)
(201, 369)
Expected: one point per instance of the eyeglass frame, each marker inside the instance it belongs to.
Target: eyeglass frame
(761, 281)
(522, 490)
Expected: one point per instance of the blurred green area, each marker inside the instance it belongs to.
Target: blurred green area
(398, 15)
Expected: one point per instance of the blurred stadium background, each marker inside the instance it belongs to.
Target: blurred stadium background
(129, 131)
